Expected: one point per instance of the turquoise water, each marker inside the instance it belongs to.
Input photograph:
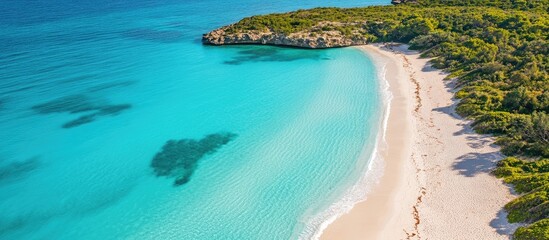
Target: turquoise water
(91, 92)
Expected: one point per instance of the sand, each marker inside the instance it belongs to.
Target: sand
(436, 182)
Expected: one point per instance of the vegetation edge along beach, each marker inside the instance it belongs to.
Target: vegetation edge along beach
(498, 50)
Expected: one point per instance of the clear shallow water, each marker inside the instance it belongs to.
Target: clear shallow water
(90, 93)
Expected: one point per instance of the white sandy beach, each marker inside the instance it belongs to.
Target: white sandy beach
(436, 182)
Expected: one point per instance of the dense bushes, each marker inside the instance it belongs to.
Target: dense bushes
(498, 122)
(536, 231)
(498, 49)
(532, 179)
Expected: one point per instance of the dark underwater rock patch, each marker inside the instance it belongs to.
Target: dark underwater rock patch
(111, 110)
(270, 54)
(71, 104)
(80, 121)
(79, 206)
(80, 103)
(179, 158)
(19, 169)
(161, 36)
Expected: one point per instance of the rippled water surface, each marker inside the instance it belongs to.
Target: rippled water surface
(115, 122)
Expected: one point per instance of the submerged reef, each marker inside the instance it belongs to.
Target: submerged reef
(80, 103)
(271, 54)
(18, 169)
(79, 121)
(105, 110)
(71, 104)
(179, 158)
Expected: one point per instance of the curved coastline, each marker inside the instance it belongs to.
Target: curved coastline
(421, 187)
(367, 218)
(449, 160)
(389, 199)
(371, 174)
(405, 199)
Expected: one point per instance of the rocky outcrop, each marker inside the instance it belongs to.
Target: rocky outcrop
(320, 39)
(395, 2)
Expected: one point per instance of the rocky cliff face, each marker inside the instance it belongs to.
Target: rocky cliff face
(320, 39)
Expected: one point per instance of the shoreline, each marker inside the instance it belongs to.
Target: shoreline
(351, 225)
(429, 174)
(371, 174)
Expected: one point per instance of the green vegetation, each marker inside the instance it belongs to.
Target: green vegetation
(498, 49)
(532, 179)
(538, 230)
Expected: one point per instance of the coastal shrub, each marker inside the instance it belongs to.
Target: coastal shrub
(529, 135)
(527, 182)
(537, 127)
(536, 231)
(494, 122)
(521, 209)
(508, 167)
(412, 27)
(531, 178)
(425, 42)
(511, 146)
(478, 99)
(525, 175)
(519, 100)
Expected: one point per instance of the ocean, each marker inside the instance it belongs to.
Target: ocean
(117, 123)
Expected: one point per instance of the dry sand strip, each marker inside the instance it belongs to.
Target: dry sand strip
(436, 182)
